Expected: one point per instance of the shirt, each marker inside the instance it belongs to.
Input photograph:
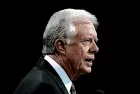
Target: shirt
(64, 77)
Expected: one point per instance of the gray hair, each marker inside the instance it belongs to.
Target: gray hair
(60, 26)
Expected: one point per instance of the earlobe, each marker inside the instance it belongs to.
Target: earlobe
(60, 46)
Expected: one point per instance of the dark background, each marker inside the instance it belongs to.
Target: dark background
(115, 67)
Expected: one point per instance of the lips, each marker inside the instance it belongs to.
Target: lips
(89, 58)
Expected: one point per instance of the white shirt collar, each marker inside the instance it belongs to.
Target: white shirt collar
(65, 79)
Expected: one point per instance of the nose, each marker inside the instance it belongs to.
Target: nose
(94, 48)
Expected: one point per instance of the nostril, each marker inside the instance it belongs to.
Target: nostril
(94, 51)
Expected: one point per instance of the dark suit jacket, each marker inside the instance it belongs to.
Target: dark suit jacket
(42, 79)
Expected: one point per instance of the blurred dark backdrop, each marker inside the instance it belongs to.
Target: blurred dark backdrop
(24, 24)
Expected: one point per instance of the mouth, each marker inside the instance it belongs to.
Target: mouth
(89, 61)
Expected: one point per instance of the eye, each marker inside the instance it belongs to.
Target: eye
(88, 40)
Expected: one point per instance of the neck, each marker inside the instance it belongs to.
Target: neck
(61, 60)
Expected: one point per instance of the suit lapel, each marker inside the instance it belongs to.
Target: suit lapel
(48, 68)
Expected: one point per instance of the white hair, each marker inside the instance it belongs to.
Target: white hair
(60, 26)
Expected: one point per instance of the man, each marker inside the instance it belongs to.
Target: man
(69, 50)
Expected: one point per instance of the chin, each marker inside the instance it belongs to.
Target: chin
(87, 70)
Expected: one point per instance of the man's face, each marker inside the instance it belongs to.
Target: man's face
(81, 52)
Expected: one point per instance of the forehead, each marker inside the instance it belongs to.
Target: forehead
(85, 29)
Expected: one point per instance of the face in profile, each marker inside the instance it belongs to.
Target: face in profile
(81, 52)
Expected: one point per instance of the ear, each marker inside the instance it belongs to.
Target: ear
(60, 46)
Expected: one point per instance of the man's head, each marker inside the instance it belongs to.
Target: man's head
(70, 35)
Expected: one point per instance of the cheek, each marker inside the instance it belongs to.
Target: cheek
(77, 54)
(80, 51)
(80, 55)
(84, 50)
